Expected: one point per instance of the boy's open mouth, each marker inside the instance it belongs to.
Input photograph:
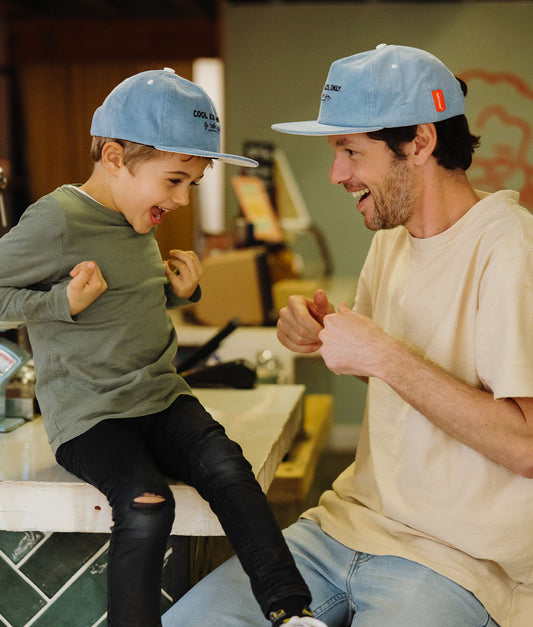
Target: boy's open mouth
(157, 214)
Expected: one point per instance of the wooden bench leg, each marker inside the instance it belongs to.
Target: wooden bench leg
(296, 472)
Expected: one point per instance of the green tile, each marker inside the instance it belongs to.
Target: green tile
(60, 557)
(17, 544)
(166, 580)
(165, 604)
(81, 604)
(19, 601)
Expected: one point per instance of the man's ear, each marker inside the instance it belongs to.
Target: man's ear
(424, 143)
(112, 157)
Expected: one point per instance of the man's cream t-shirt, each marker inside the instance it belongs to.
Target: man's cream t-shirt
(464, 300)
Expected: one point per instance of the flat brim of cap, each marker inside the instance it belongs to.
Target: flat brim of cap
(313, 127)
(221, 156)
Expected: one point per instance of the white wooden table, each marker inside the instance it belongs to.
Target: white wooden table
(36, 494)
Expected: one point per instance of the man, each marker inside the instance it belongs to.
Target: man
(432, 523)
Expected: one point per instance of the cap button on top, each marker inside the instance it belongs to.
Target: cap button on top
(380, 46)
(169, 69)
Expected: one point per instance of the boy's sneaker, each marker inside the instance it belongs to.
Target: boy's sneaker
(304, 621)
(279, 619)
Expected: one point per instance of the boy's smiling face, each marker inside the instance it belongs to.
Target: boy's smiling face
(152, 188)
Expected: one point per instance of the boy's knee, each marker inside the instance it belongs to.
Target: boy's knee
(161, 503)
(148, 500)
(148, 513)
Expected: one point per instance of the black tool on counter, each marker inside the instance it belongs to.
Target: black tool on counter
(202, 353)
(235, 374)
(230, 374)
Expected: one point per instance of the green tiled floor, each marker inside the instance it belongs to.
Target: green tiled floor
(17, 545)
(86, 593)
(19, 601)
(43, 577)
(60, 559)
(59, 579)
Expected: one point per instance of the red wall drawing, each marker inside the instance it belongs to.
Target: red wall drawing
(503, 160)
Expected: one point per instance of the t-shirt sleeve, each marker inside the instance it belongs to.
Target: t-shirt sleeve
(504, 326)
(31, 285)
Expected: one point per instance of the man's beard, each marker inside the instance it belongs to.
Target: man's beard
(394, 202)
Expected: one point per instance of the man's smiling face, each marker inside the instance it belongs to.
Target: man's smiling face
(381, 182)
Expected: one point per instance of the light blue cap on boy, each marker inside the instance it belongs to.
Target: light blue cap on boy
(161, 109)
(388, 87)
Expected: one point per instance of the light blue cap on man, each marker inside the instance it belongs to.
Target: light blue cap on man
(388, 87)
(161, 109)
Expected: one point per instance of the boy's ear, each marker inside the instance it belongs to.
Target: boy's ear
(112, 157)
(424, 142)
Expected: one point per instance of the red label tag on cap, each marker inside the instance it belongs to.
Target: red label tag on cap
(438, 99)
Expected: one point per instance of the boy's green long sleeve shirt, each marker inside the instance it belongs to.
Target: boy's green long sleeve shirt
(113, 359)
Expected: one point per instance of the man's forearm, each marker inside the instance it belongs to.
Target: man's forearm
(498, 429)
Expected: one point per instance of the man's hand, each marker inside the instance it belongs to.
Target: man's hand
(189, 270)
(353, 343)
(301, 320)
(86, 286)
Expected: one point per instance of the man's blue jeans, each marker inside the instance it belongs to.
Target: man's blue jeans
(349, 589)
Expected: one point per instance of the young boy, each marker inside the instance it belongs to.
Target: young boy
(83, 269)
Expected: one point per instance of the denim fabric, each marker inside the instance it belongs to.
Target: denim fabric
(349, 589)
(128, 457)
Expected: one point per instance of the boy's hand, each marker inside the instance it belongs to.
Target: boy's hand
(189, 270)
(86, 286)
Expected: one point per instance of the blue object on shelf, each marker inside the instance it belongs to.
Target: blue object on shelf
(12, 357)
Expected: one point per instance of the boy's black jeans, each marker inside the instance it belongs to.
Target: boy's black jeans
(129, 457)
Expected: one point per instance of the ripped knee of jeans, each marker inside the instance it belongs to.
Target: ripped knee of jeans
(149, 501)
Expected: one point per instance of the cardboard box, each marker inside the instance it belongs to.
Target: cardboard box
(235, 283)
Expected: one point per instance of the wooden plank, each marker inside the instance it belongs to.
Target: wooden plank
(295, 474)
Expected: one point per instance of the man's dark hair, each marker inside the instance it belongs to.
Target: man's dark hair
(455, 143)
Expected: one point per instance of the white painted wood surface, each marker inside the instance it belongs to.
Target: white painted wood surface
(36, 494)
